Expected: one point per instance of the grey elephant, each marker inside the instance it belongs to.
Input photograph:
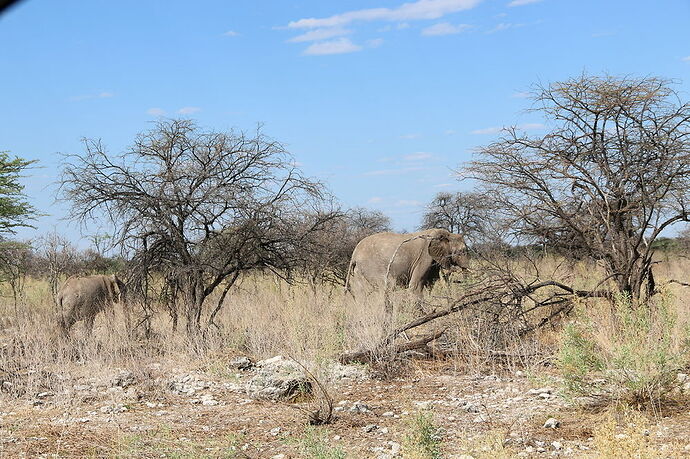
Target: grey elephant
(82, 298)
(413, 261)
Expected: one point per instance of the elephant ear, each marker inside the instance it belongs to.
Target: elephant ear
(439, 249)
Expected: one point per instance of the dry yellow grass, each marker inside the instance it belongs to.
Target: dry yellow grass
(263, 317)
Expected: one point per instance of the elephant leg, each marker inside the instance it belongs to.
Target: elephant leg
(416, 286)
(65, 324)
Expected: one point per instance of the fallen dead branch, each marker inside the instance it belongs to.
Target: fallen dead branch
(504, 293)
(367, 356)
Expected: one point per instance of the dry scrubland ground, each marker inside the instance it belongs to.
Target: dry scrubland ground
(114, 395)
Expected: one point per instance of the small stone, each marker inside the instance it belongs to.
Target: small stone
(383, 430)
(552, 423)
(621, 436)
(275, 431)
(336, 437)
(370, 428)
(279, 456)
(557, 445)
(388, 414)
(395, 447)
(241, 363)
(470, 408)
(359, 407)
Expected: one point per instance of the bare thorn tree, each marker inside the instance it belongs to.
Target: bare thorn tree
(326, 252)
(465, 213)
(612, 173)
(198, 207)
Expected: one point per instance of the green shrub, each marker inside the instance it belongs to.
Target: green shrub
(423, 439)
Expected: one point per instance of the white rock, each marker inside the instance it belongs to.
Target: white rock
(557, 445)
(359, 407)
(388, 414)
(275, 431)
(552, 423)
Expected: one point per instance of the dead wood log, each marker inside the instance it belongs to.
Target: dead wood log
(367, 356)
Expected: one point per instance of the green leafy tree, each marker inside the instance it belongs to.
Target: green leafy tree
(15, 210)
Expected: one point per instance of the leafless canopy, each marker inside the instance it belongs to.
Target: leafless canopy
(196, 206)
(327, 252)
(610, 175)
(464, 213)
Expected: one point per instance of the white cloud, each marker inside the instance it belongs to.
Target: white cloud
(408, 203)
(230, 33)
(375, 200)
(100, 95)
(522, 2)
(496, 129)
(320, 34)
(155, 111)
(505, 26)
(686, 59)
(420, 9)
(490, 130)
(417, 156)
(409, 136)
(520, 95)
(375, 43)
(339, 46)
(450, 132)
(443, 185)
(445, 28)
(188, 110)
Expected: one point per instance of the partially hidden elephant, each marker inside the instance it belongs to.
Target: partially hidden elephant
(82, 298)
(412, 261)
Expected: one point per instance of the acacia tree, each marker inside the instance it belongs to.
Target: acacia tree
(611, 174)
(197, 207)
(15, 211)
(466, 213)
(326, 253)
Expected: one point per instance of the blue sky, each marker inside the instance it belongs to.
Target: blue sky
(381, 99)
